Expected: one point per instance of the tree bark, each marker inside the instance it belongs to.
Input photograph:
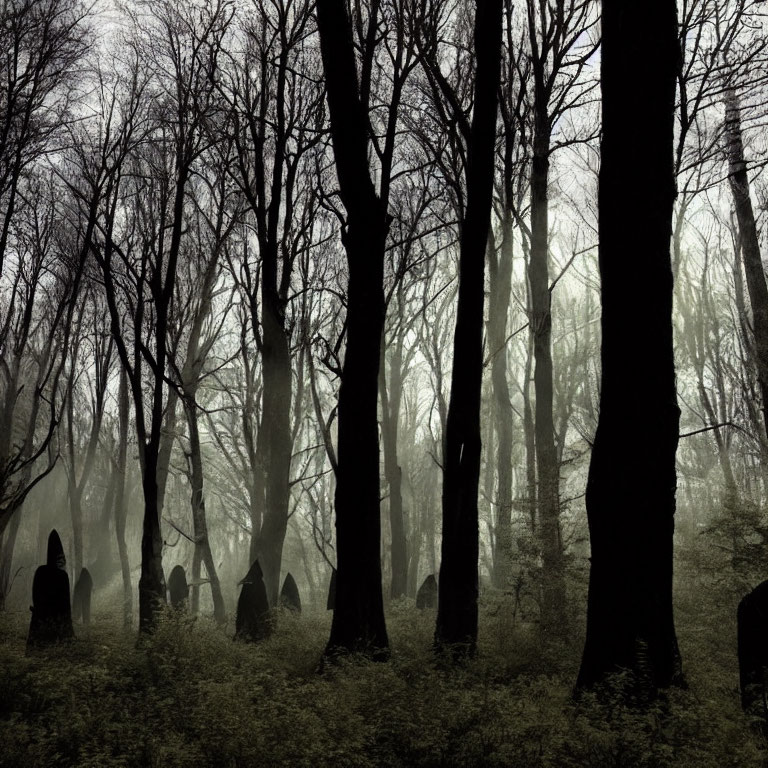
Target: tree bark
(632, 478)
(358, 617)
(553, 580)
(152, 580)
(530, 441)
(199, 522)
(738, 181)
(8, 539)
(500, 273)
(456, 627)
(391, 396)
(120, 501)
(276, 428)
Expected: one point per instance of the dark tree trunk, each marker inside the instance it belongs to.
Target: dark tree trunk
(120, 500)
(200, 525)
(152, 579)
(8, 539)
(255, 451)
(750, 245)
(167, 439)
(276, 428)
(553, 582)
(530, 444)
(358, 617)
(456, 626)
(500, 272)
(632, 479)
(391, 389)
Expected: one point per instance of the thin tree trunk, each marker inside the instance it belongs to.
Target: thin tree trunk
(553, 579)
(199, 522)
(530, 440)
(500, 272)
(120, 501)
(152, 590)
(166, 449)
(456, 626)
(391, 396)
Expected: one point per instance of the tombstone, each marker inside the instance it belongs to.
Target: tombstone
(253, 620)
(331, 604)
(178, 587)
(51, 611)
(426, 597)
(289, 595)
(752, 621)
(81, 598)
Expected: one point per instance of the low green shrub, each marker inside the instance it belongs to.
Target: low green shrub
(190, 696)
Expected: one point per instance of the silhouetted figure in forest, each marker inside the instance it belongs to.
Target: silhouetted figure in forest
(178, 587)
(331, 604)
(51, 611)
(81, 598)
(253, 620)
(752, 619)
(289, 595)
(426, 597)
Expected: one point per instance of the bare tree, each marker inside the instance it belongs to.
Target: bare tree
(358, 618)
(276, 108)
(182, 47)
(456, 627)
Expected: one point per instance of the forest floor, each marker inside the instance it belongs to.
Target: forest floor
(190, 696)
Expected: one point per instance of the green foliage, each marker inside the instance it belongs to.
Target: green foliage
(189, 695)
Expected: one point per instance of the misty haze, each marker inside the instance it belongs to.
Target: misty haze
(383, 383)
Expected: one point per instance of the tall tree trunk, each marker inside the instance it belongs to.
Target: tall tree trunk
(167, 439)
(391, 396)
(120, 501)
(750, 246)
(199, 522)
(256, 510)
(747, 342)
(152, 590)
(276, 430)
(632, 478)
(255, 452)
(553, 579)
(500, 273)
(76, 515)
(530, 440)
(414, 556)
(358, 618)
(456, 627)
(103, 564)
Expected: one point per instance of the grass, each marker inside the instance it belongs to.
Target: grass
(190, 696)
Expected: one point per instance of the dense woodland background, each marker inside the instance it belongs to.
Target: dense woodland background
(189, 272)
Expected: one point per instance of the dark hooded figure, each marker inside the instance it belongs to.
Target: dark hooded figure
(426, 597)
(81, 598)
(253, 619)
(178, 587)
(51, 610)
(289, 595)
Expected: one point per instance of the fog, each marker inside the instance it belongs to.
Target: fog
(353, 291)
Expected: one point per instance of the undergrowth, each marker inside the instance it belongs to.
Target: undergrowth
(190, 696)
